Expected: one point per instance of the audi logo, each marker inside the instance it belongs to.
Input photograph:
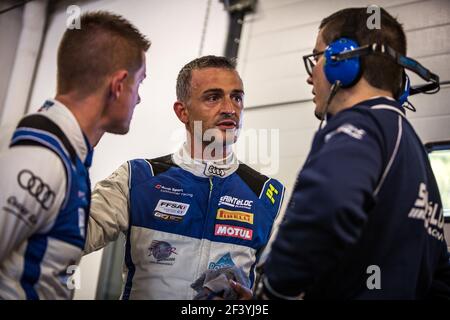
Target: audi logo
(216, 171)
(36, 188)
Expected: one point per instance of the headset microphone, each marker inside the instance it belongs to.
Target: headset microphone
(334, 89)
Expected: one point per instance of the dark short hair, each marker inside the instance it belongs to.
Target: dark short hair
(185, 75)
(380, 71)
(105, 43)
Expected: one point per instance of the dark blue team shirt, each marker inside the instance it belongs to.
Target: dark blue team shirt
(365, 199)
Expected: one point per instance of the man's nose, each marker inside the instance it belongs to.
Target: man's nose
(228, 106)
(309, 80)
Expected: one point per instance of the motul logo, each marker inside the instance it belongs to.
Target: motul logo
(233, 231)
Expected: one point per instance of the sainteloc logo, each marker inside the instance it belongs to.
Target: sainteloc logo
(37, 188)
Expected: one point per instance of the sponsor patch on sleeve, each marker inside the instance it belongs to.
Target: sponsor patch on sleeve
(271, 193)
(347, 129)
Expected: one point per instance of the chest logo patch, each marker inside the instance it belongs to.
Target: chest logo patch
(240, 216)
(161, 252)
(212, 170)
(224, 262)
(170, 210)
(225, 230)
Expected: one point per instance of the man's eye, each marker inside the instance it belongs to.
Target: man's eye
(238, 98)
(212, 98)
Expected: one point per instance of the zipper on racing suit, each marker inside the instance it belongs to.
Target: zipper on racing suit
(210, 189)
(200, 265)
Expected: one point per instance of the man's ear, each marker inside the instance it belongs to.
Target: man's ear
(118, 82)
(181, 111)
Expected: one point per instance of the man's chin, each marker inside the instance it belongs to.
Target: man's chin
(229, 138)
(119, 130)
(318, 111)
(318, 115)
(225, 140)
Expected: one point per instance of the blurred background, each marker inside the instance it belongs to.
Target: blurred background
(267, 37)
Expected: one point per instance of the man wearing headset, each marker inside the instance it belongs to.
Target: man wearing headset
(365, 220)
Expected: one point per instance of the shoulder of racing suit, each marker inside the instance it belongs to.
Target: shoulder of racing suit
(252, 178)
(161, 164)
(40, 122)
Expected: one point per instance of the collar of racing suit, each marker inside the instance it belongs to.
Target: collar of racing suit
(205, 168)
(64, 118)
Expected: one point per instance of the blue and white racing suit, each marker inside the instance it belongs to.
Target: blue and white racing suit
(44, 203)
(182, 217)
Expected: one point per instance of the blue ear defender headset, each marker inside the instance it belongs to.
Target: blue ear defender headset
(343, 66)
(403, 98)
(347, 71)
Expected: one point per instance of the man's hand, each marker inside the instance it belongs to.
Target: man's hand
(242, 292)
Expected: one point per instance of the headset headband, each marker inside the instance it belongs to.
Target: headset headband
(405, 62)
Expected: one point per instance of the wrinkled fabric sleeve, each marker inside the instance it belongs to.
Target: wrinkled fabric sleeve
(33, 187)
(109, 210)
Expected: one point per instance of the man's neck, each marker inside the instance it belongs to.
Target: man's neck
(362, 91)
(87, 111)
(208, 152)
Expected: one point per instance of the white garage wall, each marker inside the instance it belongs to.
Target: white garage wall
(175, 29)
(276, 37)
(10, 26)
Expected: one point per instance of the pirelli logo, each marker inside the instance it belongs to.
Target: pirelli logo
(240, 216)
